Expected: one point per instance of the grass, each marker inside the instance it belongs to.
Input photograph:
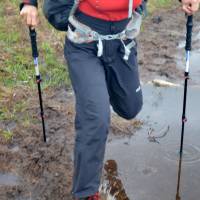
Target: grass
(16, 64)
(11, 103)
(153, 5)
(17, 73)
(7, 135)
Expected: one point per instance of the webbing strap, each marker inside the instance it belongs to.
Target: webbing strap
(130, 8)
(75, 6)
(128, 48)
(80, 26)
(86, 31)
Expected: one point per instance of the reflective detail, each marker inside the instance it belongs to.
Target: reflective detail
(138, 89)
(130, 8)
(37, 72)
(187, 61)
(100, 48)
(35, 61)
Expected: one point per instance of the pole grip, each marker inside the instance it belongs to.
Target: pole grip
(33, 37)
(189, 26)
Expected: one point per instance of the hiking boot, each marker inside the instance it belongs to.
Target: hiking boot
(93, 197)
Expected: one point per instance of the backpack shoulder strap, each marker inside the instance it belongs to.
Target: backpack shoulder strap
(130, 8)
(76, 3)
(75, 6)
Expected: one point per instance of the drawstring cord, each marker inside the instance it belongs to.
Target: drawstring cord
(127, 51)
(127, 48)
(100, 47)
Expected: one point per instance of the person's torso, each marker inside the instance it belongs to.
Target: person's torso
(109, 10)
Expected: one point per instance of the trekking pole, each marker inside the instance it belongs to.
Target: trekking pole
(35, 54)
(188, 48)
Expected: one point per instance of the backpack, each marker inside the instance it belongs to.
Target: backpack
(57, 12)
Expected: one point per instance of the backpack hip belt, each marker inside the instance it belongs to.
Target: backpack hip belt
(84, 34)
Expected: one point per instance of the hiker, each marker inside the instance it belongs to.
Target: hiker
(103, 70)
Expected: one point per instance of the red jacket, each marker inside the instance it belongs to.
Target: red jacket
(111, 10)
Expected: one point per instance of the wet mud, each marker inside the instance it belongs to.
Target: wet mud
(139, 166)
(112, 182)
(161, 46)
(32, 169)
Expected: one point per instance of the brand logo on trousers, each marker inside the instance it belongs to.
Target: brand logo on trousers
(138, 89)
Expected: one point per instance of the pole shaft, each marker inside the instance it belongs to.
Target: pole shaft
(41, 108)
(184, 112)
(35, 54)
(188, 47)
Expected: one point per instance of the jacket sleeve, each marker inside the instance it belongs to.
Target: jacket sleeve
(28, 2)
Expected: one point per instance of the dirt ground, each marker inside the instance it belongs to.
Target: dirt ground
(43, 171)
(158, 43)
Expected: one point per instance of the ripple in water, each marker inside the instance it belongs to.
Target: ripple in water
(191, 153)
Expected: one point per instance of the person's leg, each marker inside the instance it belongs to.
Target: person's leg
(124, 84)
(92, 116)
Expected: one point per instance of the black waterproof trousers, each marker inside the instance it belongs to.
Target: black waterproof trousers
(99, 82)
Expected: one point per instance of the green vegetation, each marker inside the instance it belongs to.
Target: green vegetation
(7, 135)
(17, 73)
(9, 111)
(157, 4)
(16, 64)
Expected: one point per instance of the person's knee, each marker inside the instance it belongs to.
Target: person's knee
(130, 111)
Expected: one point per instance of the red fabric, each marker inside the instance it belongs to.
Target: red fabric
(110, 10)
(94, 197)
(26, 1)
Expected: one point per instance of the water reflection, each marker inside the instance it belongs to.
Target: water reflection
(8, 179)
(179, 179)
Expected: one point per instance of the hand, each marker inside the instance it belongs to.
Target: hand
(190, 6)
(29, 14)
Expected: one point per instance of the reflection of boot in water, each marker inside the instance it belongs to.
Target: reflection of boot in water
(114, 184)
(178, 197)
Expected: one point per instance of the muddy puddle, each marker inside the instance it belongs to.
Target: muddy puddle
(8, 179)
(148, 161)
